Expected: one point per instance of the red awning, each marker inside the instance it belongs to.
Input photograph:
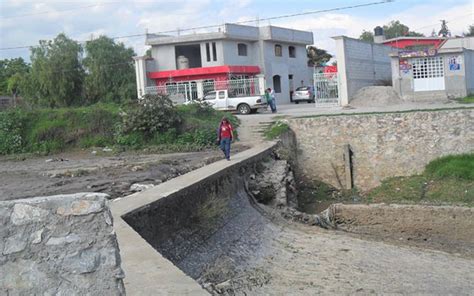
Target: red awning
(205, 71)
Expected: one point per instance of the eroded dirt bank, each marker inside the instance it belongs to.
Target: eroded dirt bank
(445, 228)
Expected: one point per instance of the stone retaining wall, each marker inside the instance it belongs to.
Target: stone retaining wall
(59, 245)
(383, 145)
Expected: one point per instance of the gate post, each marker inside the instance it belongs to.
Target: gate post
(199, 89)
(261, 83)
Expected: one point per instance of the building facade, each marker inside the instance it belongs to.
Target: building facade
(277, 55)
(433, 74)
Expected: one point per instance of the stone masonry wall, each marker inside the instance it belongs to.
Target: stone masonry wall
(59, 245)
(383, 145)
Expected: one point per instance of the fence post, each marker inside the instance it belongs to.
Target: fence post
(199, 89)
(261, 84)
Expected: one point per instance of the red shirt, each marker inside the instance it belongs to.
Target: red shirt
(226, 131)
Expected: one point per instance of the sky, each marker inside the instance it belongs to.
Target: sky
(25, 22)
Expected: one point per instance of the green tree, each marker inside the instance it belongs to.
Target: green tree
(391, 30)
(110, 71)
(470, 31)
(367, 36)
(10, 68)
(56, 76)
(317, 56)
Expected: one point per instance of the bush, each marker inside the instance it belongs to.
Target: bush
(150, 115)
(277, 129)
(11, 129)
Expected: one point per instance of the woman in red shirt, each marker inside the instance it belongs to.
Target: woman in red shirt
(224, 136)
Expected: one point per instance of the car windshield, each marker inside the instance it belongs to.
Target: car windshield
(302, 88)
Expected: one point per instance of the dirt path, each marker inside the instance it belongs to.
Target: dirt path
(82, 171)
(310, 261)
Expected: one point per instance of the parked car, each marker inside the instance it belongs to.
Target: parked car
(220, 100)
(304, 93)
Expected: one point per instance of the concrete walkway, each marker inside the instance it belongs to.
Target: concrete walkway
(147, 272)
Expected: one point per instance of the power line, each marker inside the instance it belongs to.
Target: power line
(240, 22)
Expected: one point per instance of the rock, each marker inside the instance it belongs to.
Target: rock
(107, 149)
(85, 261)
(49, 160)
(36, 236)
(224, 286)
(94, 152)
(14, 244)
(81, 207)
(137, 168)
(140, 187)
(71, 238)
(24, 214)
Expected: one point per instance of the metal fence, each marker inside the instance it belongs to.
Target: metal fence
(235, 87)
(326, 86)
(181, 92)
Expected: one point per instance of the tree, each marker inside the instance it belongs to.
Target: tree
(367, 36)
(110, 71)
(444, 32)
(10, 68)
(470, 31)
(56, 76)
(391, 30)
(317, 57)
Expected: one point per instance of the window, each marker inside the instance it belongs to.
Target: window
(214, 52)
(208, 53)
(221, 95)
(242, 49)
(278, 50)
(277, 83)
(292, 51)
(210, 96)
(428, 68)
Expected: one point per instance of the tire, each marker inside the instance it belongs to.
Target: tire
(244, 109)
(297, 102)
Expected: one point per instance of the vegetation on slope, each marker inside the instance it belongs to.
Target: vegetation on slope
(155, 121)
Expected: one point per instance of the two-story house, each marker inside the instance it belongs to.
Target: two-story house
(233, 52)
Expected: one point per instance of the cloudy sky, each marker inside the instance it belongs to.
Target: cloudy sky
(24, 22)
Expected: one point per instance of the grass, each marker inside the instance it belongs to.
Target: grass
(447, 180)
(467, 100)
(275, 130)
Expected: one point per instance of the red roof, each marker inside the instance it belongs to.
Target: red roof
(205, 71)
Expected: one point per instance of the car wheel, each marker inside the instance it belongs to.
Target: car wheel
(244, 109)
(297, 102)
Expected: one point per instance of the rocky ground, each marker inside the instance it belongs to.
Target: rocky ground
(103, 171)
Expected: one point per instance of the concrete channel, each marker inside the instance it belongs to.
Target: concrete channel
(166, 240)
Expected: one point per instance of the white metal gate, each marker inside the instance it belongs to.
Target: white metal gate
(428, 74)
(178, 92)
(326, 89)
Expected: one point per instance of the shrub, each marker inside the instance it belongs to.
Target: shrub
(11, 128)
(150, 115)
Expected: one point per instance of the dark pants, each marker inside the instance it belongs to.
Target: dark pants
(273, 105)
(225, 147)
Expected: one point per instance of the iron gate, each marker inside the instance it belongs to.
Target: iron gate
(326, 88)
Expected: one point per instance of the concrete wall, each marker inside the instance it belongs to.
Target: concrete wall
(59, 245)
(231, 57)
(469, 70)
(466, 42)
(360, 64)
(383, 145)
(164, 57)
